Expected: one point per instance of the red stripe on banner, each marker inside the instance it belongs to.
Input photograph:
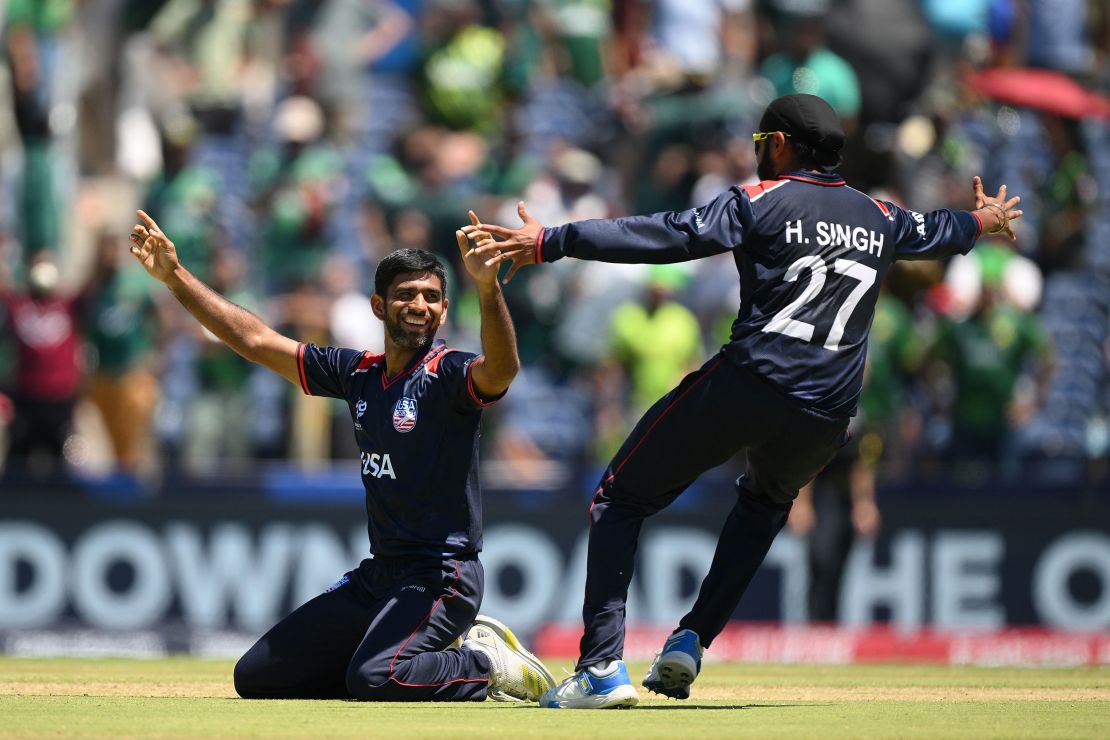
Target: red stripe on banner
(764, 643)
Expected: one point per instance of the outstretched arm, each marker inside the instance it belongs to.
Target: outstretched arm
(495, 369)
(943, 233)
(660, 238)
(237, 327)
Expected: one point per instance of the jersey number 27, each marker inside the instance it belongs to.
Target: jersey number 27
(782, 323)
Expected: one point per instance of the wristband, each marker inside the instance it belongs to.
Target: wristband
(1002, 213)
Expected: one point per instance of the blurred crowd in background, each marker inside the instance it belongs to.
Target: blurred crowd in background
(286, 145)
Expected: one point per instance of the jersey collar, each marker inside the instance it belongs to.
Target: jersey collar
(826, 179)
(417, 360)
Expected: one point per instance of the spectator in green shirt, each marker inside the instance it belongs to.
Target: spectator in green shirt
(121, 328)
(297, 186)
(188, 198)
(888, 426)
(33, 56)
(806, 65)
(657, 340)
(987, 354)
(463, 74)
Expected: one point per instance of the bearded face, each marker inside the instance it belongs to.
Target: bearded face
(765, 168)
(410, 329)
(414, 310)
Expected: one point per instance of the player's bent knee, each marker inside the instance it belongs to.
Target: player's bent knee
(247, 685)
(366, 683)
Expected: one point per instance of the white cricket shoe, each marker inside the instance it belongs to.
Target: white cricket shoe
(514, 673)
(596, 687)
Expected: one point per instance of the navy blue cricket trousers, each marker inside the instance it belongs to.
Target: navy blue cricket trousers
(378, 635)
(713, 413)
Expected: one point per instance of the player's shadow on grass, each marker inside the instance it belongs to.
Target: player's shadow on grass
(724, 706)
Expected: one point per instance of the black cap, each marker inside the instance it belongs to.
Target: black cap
(809, 120)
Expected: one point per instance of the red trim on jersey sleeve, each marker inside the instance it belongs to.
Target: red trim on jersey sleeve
(979, 219)
(882, 207)
(300, 369)
(539, 246)
(473, 393)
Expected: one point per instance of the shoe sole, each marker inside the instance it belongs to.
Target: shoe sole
(622, 697)
(506, 634)
(495, 695)
(677, 670)
(657, 687)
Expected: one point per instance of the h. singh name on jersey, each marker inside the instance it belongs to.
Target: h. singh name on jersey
(832, 234)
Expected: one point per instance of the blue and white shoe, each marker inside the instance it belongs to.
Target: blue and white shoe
(675, 666)
(597, 687)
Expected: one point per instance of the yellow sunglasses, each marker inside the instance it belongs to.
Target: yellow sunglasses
(761, 135)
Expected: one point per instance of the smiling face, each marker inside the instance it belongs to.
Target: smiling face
(412, 310)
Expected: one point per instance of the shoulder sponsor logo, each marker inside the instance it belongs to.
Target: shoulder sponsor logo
(920, 224)
(341, 582)
(360, 409)
(404, 414)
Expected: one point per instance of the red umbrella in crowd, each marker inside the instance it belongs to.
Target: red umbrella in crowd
(1041, 89)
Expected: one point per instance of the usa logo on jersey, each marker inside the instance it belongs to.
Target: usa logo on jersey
(404, 415)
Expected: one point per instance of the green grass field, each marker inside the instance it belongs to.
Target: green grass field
(183, 697)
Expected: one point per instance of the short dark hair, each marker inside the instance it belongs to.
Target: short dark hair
(405, 261)
(810, 158)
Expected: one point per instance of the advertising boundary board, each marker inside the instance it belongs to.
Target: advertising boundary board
(206, 575)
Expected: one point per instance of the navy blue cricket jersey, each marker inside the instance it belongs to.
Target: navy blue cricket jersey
(418, 436)
(811, 253)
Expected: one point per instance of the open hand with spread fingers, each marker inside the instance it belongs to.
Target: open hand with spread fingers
(517, 245)
(997, 212)
(153, 249)
(481, 254)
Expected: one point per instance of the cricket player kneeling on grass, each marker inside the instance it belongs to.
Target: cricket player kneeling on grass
(404, 624)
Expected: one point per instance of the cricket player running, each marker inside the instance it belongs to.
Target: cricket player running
(389, 629)
(811, 253)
